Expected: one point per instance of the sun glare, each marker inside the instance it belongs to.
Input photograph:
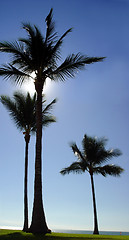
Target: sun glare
(47, 85)
(30, 87)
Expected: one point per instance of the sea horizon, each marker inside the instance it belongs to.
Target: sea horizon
(73, 231)
(91, 232)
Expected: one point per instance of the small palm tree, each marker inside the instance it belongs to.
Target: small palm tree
(23, 111)
(41, 55)
(90, 159)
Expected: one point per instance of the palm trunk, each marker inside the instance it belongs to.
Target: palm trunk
(25, 227)
(38, 224)
(94, 207)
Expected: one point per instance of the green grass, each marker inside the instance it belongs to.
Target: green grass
(19, 235)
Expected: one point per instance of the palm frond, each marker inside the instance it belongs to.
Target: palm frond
(13, 111)
(29, 28)
(9, 71)
(72, 64)
(93, 142)
(9, 47)
(49, 107)
(103, 155)
(114, 153)
(55, 53)
(21, 109)
(51, 35)
(94, 149)
(74, 167)
(18, 54)
(77, 152)
(112, 170)
(47, 120)
(35, 47)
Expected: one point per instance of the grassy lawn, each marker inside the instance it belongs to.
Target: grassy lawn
(19, 235)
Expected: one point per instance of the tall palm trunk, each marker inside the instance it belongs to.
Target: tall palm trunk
(94, 207)
(25, 227)
(38, 224)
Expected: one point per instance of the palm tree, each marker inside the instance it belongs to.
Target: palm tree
(90, 159)
(22, 109)
(40, 55)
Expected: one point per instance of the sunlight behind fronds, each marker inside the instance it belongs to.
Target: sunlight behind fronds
(29, 86)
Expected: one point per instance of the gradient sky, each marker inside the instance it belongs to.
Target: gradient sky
(96, 102)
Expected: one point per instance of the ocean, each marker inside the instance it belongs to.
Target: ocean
(74, 231)
(91, 232)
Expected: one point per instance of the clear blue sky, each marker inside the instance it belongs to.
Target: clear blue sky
(96, 102)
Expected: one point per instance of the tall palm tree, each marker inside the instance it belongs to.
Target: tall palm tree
(40, 55)
(22, 109)
(90, 159)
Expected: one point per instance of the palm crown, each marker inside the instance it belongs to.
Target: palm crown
(92, 156)
(23, 111)
(40, 55)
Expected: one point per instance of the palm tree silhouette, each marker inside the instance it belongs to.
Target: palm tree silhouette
(22, 110)
(90, 159)
(40, 55)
